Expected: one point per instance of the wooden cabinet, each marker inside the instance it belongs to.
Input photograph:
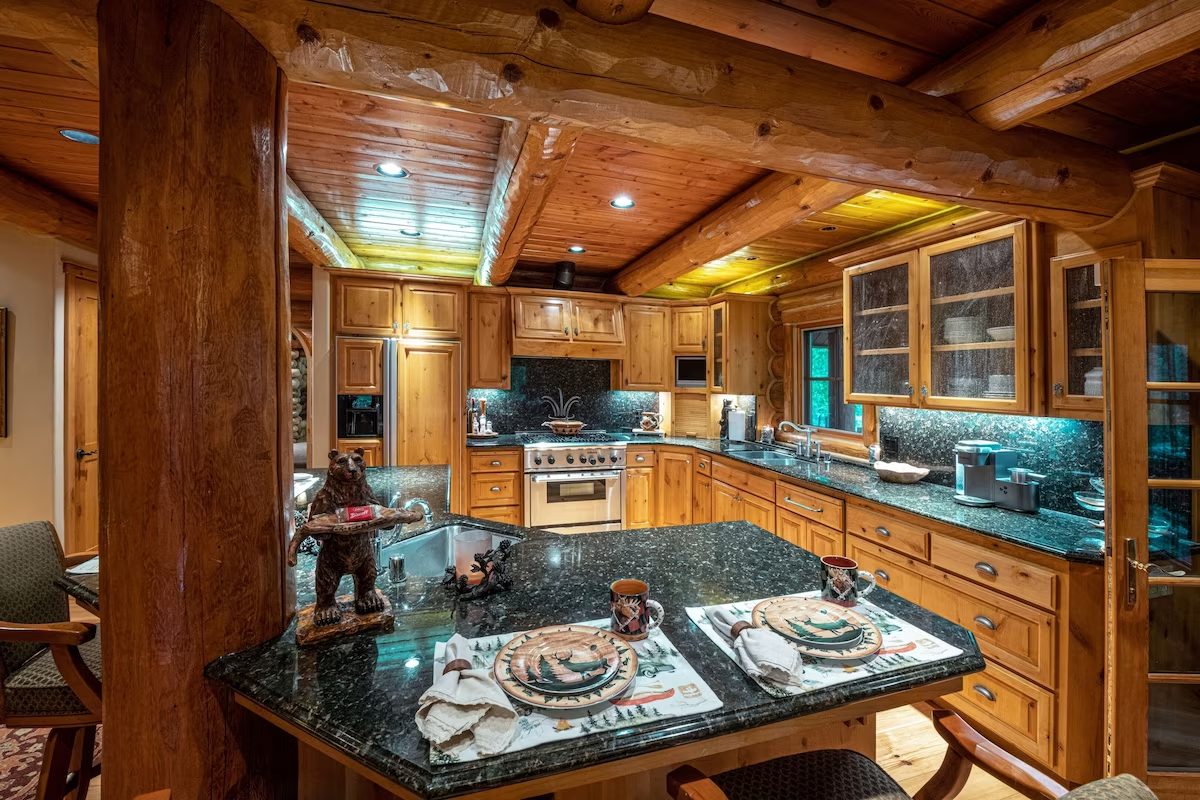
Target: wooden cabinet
(886, 531)
(366, 306)
(881, 329)
(731, 504)
(538, 317)
(372, 450)
(738, 352)
(495, 489)
(815, 506)
(495, 484)
(689, 326)
(597, 321)
(674, 487)
(359, 367)
(639, 497)
(489, 341)
(1019, 710)
(702, 499)
(647, 365)
(690, 415)
(430, 403)
(892, 571)
(548, 325)
(805, 533)
(431, 311)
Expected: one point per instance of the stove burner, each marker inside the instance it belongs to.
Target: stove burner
(585, 437)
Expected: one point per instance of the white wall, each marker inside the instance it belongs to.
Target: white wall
(31, 287)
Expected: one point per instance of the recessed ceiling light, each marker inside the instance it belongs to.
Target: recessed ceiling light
(413, 232)
(621, 201)
(576, 248)
(390, 169)
(82, 137)
(828, 228)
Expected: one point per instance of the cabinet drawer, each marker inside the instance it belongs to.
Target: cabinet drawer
(996, 570)
(508, 514)
(1014, 708)
(891, 570)
(495, 489)
(639, 457)
(496, 461)
(891, 533)
(817, 507)
(704, 464)
(742, 479)
(1014, 634)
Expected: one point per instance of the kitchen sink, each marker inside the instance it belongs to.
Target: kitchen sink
(770, 457)
(428, 555)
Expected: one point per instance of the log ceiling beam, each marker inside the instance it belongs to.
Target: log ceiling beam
(311, 236)
(689, 89)
(614, 12)
(773, 203)
(1060, 51)
(29, 205)
(530, 161)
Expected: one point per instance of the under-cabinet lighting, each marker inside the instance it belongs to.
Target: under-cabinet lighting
(390, 169)
(82, 137)
(576, 248)
(413, 232)
(621, 201)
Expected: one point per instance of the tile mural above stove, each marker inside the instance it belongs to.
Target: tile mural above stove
(1066, 451)
(600, 406)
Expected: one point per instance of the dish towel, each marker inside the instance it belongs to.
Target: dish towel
(466, 705)
(762, 653)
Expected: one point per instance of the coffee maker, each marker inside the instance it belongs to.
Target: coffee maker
(977, 464)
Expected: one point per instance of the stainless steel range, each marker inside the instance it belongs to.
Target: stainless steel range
(574, 484)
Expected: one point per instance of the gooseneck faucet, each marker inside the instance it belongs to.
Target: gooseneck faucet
(424, 504)
(807, 448)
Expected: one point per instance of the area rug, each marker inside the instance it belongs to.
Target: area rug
(21, 760)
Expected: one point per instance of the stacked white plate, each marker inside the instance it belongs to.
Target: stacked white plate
(1093, 382)
(961, 386)
(963, 330)
(1001, 386)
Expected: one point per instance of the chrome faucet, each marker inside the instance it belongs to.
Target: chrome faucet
(418, 501)
(808, 448)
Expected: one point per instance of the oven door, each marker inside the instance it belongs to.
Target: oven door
(575, 502)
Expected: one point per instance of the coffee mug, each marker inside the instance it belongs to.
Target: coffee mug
(839, 580)
(634, 614)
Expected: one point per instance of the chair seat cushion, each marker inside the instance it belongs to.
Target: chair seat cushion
(819, 775)
(37, 689)
(1121, 787)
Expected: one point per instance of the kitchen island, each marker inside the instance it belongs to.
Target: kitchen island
(351, 703)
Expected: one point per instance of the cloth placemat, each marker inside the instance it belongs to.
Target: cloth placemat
(904, 645)
(89, 567)
(665, 686)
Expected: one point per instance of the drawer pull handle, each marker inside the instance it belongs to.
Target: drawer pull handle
(984, 692)
(986, 569)
(882, 575)
(495, 463)
(495, 489)
(798, 504)
(985, 622)
(639, 459)
(882, 531)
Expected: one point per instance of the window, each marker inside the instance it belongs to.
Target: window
(821, 384)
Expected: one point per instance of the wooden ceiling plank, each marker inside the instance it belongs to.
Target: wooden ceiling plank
(922, 24)
(31, 206)
(311, 236)
(701, 92)
(614, 12)
(776, 201)
(1060, 51)
(530, 161)
(66, 28)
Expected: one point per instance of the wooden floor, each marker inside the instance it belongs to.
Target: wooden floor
(909, 750)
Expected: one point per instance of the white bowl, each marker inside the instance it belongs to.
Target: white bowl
(1004, 333)
(899, 472)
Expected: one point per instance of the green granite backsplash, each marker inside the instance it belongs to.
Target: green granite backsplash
(1067, 451)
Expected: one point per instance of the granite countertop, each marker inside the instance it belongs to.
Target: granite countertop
(1055, 533)
(359, 694)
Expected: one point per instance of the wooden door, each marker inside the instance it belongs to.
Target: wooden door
(1152, 488)
(674, 493)
(793, 528)
(365, 306)
(359, 367)
(536, 317)
(880, 329)
(81, 385)
(690, 415)
(702, 499)
(431, 311)
(824, 541)
(489, 341)
(758, 511)
(690, 329)
(430, 404)
(639, 497)
(598, 321)
(647, 366)
(726, 503)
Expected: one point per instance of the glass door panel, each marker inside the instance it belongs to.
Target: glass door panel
(880, 331)
(717, 350)
(1076, 331)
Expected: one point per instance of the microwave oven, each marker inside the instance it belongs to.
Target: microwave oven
(691, 372)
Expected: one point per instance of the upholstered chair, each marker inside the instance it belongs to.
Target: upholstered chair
(847, 775)
(49, 666)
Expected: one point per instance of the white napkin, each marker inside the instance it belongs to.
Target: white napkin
(465, 705)
(762, 653)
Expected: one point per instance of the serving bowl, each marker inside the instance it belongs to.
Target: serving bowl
(1091, 501)
(564, 427)
(899, 472)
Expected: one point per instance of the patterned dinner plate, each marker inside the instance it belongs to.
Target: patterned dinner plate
(565, 666)
(818, 628)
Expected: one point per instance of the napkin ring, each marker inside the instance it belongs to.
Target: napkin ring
(737, 628)
(457, 665)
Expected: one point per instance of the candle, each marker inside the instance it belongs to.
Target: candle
(466, 544)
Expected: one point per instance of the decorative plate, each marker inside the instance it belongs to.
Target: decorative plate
(567, 650)
(818, 628)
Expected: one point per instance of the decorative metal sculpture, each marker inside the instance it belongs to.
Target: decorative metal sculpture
(491, 564)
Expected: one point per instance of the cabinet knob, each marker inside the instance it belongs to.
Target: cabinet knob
(924, 391)
(407, 327)
(567, 331)
(495, 489)
(882, 575)
(577, 331)
(1058, 390)
(639, 459)
(495, 463)
(986, 569)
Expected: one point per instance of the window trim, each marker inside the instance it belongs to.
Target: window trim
(838, 441)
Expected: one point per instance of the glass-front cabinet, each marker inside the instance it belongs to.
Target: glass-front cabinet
(880, 326)
(1076, 334)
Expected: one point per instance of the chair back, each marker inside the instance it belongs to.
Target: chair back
(31, 558)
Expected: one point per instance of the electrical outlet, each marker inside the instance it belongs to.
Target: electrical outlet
(891, 447)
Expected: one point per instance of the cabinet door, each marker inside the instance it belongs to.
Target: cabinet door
(597, 321)
(717, 325)
(430, 403)
(647, 367)
(974, 322)
(881, 330)
(431, 311)
(690, 415)
(365, 306)
(1077, 331)
(825, 541)
(537, 317)
(702, 499)
(359, 366)
(792, 528)
(690, 329)
(489, 342)
(372, 450)
(639, 497)
(726, 503)
(758, 511)
(674, 488)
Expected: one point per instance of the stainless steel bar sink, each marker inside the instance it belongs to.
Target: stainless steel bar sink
(428, 555)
